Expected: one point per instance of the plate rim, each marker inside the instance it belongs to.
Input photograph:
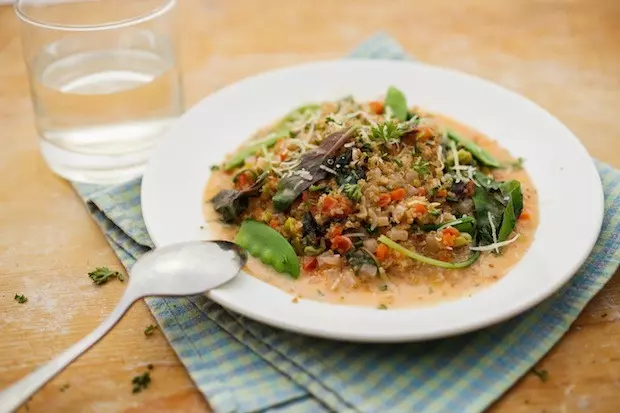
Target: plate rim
(316, 331)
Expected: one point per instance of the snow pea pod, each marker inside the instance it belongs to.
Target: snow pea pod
(481, 154)
(266, 244)
(250, 149)
(428, 260)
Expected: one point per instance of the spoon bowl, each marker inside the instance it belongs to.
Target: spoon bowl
(186, 268)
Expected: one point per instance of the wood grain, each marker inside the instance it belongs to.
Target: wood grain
(563, 54)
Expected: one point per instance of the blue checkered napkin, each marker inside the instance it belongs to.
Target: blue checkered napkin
(243, 366)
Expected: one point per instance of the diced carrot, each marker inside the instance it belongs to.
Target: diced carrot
(384, 200)
(382, 252)
(334, 231)
(244, 180)
(422, 191)
(442, 193)
(376, 107)
(448, 236)
(424, 134)
(420, 208)
(452, 231)
(328, 203)
(283, 156)
(341, 244)
(274, 223)
(310, 263)
(398, 194)
(525, 216)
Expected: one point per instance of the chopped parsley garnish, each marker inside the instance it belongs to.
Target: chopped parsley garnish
(387, 132)
(398, 162)
(318, 188)
(141, 382)
(215, 167)
(320, 293)
(383, 287)
(102, 275)
(64, 387)
(543, 375)
(149, 330)
(421, 167)
(21, 298)
(382, 307)
(353, 191)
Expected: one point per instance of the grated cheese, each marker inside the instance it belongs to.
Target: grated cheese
(496, 245)
(440, 156)
(327, 169)
(455, 155)
(493, 230)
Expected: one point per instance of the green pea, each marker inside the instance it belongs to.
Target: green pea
(266, 244)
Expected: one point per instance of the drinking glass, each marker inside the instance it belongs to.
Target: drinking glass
(104, 81)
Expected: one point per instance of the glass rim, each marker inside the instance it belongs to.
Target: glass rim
(132, 21)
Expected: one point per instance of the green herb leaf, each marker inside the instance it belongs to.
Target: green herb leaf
(21, 298)
(149, 330)
(397, 102)
(353, 191)
(141, 382)
(387, 131)
(542, 374)
(421, 167)
(382, 307)
(398, 162)
(215, 167)
(64, 387)
(383, 287)
(102, 275)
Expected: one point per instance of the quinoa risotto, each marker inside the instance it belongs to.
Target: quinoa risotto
(373, 203)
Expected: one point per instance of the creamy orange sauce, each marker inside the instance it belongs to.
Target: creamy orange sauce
(426, 284)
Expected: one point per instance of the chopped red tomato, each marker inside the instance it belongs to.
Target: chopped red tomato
(329, 202)
(341, 244)
(310, 263)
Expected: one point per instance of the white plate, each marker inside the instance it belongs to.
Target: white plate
(571, 198)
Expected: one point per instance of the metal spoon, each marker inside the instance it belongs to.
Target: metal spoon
(176, 270)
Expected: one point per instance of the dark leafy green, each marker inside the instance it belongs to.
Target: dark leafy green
(291, 186)
(502, 201)
(359, 257)
(231, 203)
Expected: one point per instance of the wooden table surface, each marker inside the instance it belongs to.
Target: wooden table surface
(563, 54)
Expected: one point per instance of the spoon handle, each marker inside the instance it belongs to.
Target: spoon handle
(20, 392)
